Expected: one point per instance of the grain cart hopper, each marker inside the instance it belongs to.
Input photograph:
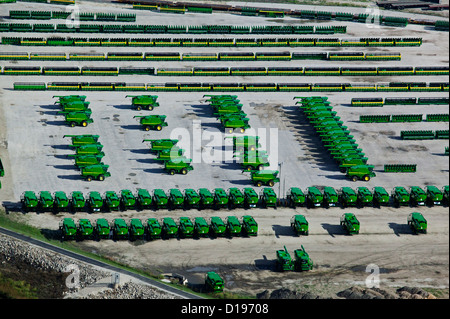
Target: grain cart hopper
(235, 197)
(68, 229)
(77, 201)
(161, 144)
(400, 196)
(98, 172)
(201, 227)
(284, 260)
(350, 223)
(160, 198)
(417, 196)
(348, 197)
(380, 196)
(295, 197)
(127, 199)
(136, 229)
(314, 197)
(268, 197)
(46, 201)
(206, 198)
(76, 106)
(330, 197)
(85, 230)
(153, 228)
(102, 229)
(434, 195)
(264, 177)
(191, 198)
(179, 166)
(95, 202)
(364, 196)
(360, 172)
(152, 122)
(214, 282)
(302, 261)
(417, 222)
(220, 198)
(89, 149)
(251, 198)
(174, 154)
(300, 225)
(78, 118)
(144, 199)
(169, 228)
(111, 201)
(249, 226)
(186, 227)
(176, 199)
(146, 102)
(120, 229)
(83, 139)
(69, 98)
(87, 160)
(61, 202)
(217, 227)
(234, 227)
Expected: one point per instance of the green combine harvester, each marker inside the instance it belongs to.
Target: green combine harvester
(417, 223)
(284, 260)
(350, 223)
(146, 102)
(300, 225)
(302, 261)
(68, 229)
(152, 122)
(214, 282)
(295, 197)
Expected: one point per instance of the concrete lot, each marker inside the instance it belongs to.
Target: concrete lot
(34, 153)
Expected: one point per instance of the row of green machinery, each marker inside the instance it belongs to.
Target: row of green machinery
(75, 109)
(88, 155)
(218, 198)
(148, 102)
(301, 261)
(228, 110)
(152, 228)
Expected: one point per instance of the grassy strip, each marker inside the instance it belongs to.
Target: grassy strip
(16, 289)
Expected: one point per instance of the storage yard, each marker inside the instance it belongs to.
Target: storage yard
(384, 88)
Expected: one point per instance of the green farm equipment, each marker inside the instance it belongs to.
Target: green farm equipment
(445, 193)
(76, 106)
(143, 199)
(161, 144)
(102, 228)
(68, 229)
(302, 261)
(380, 196)
(146, 102)
(127, 199)
(95, 201)
(120, 229)
(78, 118)
(160, 198)
(348, 197)
(434, 195)
(84, 139)
(235, 197)
(284, 260)
(417, 196)
(89, 149)
(152, 122)
(220, 198)
(217, 227)
(264, 177)
(234, 227)
(98, 172)
(136, 229)
(46, 201)
(179, 167)
(314, 197)
(111, 201)
(295, 197)
(61, 202)
(201, 227)
(87, 160)
(69, 98)
(214, 282)
(77, 201)
(360, 172)
(330, 197)
(400, 196)
(257, 162)
(417, 222)
(245, 143)
(300, 225)
(249, 226)
(251, 198)
(206, 198)
(364, 196)
(154, 229)
(186, 227)
(350, 223)
(169, 228)
(176, 198)
(85, 230)
(174, 154)
(268, 197)
(191, 198)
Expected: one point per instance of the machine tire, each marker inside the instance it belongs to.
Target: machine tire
(101, 177)
(354, 178)
(84, 124)
(150, 108)
(147, 128)
(89, 178)
(158, 127)
(184, 171)
(366, 178)
(73, 124)
(172, 172)
(271, 183)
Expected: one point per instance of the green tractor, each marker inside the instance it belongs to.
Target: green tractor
(152, 122)
(417, 197)
(201, 227)
(264, 177)
(179, 167)
(46, 201)
(95, 202)
(169, 228)
(191, 198)
(143, 199)
(214, 282)
(330, 197)
(434, 195)
(186, 227)
(302, 261)
(417, 222)
(111, 201)
(380, 196)
(136, 229)
(300, 225)
(350, 223)
(154, 229)
(102, 229)
(249, 226)
(85, 230)
(120, 229)
(206, 198)
(176, 199)
(268, 197)
(160, 198)
(251, 198)
(314, 197)
(77, 201)
(364, 196)
(348, 197)
(61, 202)
(98, 172)
(234, 227)
(295, 197)
(235, 198)
(127, 199)
(146, 102)
(220, 198)
(400, 196)
(217, 227)
(68, 229)
(284, 260)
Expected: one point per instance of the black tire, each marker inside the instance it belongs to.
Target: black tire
(184, 171)
(354, 178)
(172, 172)
(101, 177)
(271, 183)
